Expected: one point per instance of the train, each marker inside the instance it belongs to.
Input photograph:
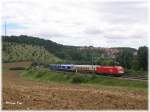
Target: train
(97, 69)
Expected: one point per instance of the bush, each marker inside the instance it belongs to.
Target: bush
(80, 79)
(76, 80)
(39, 75)
(133, 72)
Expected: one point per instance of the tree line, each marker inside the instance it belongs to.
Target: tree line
(137, 61)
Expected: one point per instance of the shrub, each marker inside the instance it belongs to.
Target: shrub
(133, 72)
(80, 79)
(39, 75)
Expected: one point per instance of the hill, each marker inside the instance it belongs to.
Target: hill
(69, 54)
(13, 52)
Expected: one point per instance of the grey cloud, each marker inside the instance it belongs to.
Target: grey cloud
(52, 34)
(75, 23)
(126, 12)
(116, 37)
(126, 37)
(93, 31)
(78, 23)
(113, 41)
(126, 41)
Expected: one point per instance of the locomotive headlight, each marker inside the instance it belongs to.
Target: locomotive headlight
(121, 71)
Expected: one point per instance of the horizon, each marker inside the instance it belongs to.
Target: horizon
(85, 23)
(28, 36)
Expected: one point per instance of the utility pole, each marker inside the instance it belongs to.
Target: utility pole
(92, 58)
(5, 29)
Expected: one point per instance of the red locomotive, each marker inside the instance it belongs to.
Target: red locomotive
(110, 70)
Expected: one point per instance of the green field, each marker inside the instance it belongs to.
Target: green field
(76, 78)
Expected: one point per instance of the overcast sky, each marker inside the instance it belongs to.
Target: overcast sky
(101, 23)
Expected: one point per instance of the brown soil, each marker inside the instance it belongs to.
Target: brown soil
(19, 93)
(17, 64)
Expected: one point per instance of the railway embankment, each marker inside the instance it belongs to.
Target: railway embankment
(79, 78)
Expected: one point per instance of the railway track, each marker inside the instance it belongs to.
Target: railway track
(133, 78)
(120, 77)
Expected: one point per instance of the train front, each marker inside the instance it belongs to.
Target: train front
(120, 70)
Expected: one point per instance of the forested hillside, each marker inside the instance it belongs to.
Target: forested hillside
(57, 49)
(22, 52)
(70, 54)
(21, 48)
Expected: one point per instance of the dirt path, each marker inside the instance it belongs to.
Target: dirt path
(24, 94)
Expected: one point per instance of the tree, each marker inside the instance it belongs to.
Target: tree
(142, 55)
(124, 57)
(135, 63)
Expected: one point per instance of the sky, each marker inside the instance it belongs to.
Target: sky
(100, 23)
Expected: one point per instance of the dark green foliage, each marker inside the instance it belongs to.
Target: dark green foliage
(140, 61)
(125, 57)
(142, 56)
(132, 72)
(135, 63)
(80, 79)
(105, 61)
(129, 60)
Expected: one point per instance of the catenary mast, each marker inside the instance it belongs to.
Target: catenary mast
(5, 28)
